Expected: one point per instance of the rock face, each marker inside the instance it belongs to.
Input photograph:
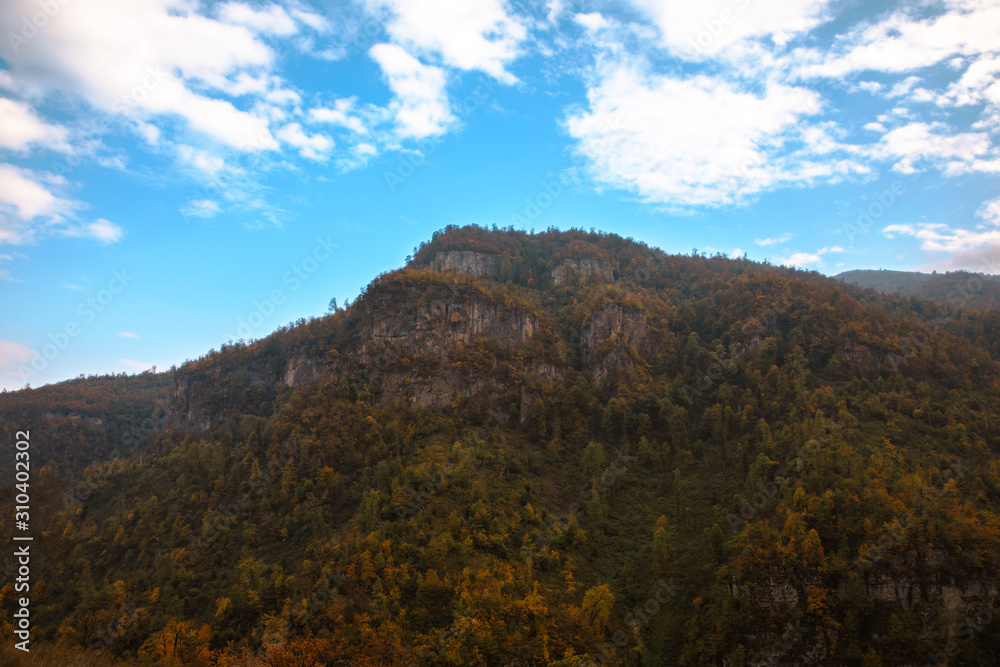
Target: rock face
(609, 339)
(203, 398)
(187, 410)
(443, 321)
(942, 603)
(414, 345)
(584, 268)
(465, 261)
(301, 371)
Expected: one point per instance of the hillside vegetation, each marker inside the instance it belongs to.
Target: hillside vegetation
(563, 448)
(956, 288)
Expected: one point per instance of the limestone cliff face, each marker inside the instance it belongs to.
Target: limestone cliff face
(465, 261)
(204, 397)
(415, 344)
(584, 268)
(301, 370)
(610, 339)
(426, 344)
(187, 410)
(909, 584)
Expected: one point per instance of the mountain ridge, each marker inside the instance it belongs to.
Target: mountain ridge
(562, 448)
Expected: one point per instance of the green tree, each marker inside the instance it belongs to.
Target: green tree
(597, 605)
(593, 460)
(661, 543)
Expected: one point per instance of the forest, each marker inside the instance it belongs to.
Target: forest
(562, 448)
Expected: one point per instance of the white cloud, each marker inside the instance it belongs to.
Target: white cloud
(555, 9)
(20, 128)
(201, 159)
(807, 259)
(311, 146)
(979, 84)
(680, 142)
(340, 114)
(990, 212)
(698, 29)
(28, 205)
(902, 43)
(937, 237)
(31, 208)
(157, 59)
(27, 194)
(904, 87)
(283, 97)
(103, 230)
(918, 145)
(801, 259)
(136, 366)
(873, 87)
(420, 105)
(274, 20)
(313, 20)
(13, 355)
(592, 21)
(468, 35)
(784, 238)
(976, 249)
(127, 334)
(201, 208)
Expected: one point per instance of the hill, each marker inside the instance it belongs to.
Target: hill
(958, 288)
(563, 448)
(87, 419)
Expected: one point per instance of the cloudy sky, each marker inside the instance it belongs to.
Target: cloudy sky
(175, 174)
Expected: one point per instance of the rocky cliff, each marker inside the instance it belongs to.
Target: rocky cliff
(584, 268)
(465, 261)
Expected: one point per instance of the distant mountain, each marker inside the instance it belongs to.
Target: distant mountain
(958, 288)
(86, 419)
(560, 449)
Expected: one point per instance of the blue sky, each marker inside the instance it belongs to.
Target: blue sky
(175, 174)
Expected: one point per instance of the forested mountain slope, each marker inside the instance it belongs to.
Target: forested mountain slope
(562, 448)
(956, 288)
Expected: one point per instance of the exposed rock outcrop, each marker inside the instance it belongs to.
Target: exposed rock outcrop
(609, 341)
(465, 261)
(301, 371)
(583, 267)
(204, 397)
(414, 346)
(942, 603)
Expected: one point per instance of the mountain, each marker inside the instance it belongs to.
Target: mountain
(86, 419)
(563, 448)
(958, 288)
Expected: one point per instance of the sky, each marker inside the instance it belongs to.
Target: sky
(177, 174)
